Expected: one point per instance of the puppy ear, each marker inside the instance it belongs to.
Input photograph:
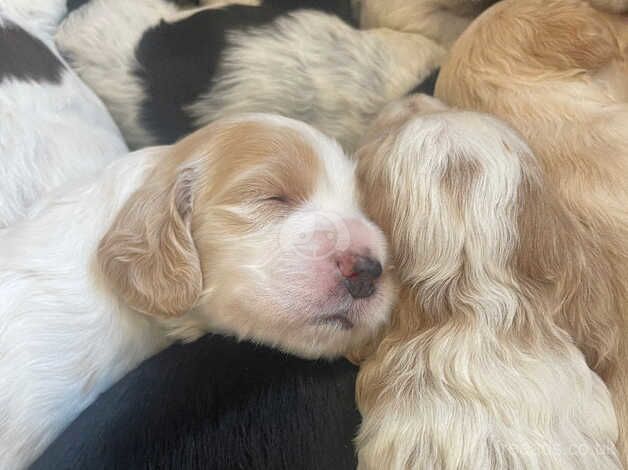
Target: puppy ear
(148, 256)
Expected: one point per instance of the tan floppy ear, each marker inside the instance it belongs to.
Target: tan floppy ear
(148, 255)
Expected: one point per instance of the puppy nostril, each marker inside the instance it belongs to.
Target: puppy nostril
(360, 278)
(370, 267)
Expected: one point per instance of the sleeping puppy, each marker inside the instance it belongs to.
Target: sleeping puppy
(474, 372)
(217, 404)
(568, 94)
(248, 227)
(53, 128)
(164, 72)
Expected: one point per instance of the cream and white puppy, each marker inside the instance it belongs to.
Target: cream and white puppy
(52, 127)
(249, 227)
(474, 371)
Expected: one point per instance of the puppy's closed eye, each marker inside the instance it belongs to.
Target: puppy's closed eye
(281, 199)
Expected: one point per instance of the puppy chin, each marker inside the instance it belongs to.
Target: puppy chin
(349, 323)
(333, 334)
(329, 338)
(339, 332)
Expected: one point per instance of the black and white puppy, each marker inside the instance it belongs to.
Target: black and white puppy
(164, 71)
(217, 404)
(52, 127)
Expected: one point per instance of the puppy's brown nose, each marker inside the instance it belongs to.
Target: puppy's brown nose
(360, 274)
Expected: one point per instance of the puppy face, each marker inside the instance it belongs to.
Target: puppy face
(251, 227)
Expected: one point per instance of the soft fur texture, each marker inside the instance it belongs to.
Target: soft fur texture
(558, 72)
(474, 372)
(52, 128)
(217, 404)
(248, 227)
(440, 20)
(163, 72)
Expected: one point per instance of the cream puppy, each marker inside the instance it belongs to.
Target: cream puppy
(474, 372)
(248, 227)
(568, 95)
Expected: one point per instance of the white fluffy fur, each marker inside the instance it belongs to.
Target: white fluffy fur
(100, 38)
(462, 381)
(65, 337)
(41, 17)
(62, 342)
(285, 68)
(49, 133)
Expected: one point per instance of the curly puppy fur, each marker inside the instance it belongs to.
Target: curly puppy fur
(474, 372)
(558, 72)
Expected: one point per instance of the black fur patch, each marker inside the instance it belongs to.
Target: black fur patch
(24, 57)
(72, 5)
(340, 8)
(428, 85)
(216, 404)
(178, 60)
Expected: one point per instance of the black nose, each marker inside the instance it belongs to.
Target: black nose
(361, 281)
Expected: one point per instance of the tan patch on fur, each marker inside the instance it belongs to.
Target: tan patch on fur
(458, 181)
(285, 165)
(256, 163)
